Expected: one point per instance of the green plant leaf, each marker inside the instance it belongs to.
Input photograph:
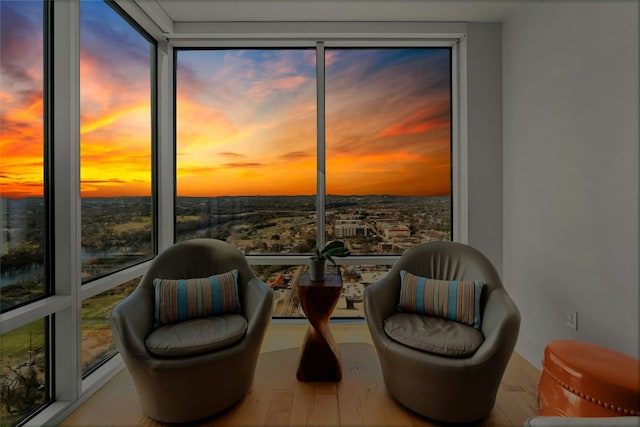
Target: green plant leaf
(333, 245)
(332, 249)
(336, 251)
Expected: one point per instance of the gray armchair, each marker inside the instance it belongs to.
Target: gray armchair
(450, 388)
(198, 367)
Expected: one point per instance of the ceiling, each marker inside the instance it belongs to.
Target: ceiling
(191, 11)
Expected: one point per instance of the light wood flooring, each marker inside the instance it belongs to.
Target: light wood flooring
(278, 399)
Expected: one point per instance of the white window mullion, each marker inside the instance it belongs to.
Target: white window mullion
(459, 163)
(165, 145)
(321, 147)
(66, 199)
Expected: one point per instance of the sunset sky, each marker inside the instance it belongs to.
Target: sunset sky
(21, 127)
(115, 105)
(246, 119)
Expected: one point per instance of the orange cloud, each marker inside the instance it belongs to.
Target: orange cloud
(275, 178)
(115, 132)
(420, 122)
(391, 173)
(22, 147)
(243, 148)
(200, 127)
(264, 88)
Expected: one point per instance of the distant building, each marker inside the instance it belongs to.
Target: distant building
(343, 228)
(397, 231)
(384, 247)
(347, 222)
(12, 222)
(4, 227)
(278, 283)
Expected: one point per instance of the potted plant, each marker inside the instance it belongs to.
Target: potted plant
(318, 261)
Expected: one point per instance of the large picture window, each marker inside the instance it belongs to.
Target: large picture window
(116, 139)
(41, 72)
(246, 157)
(116, 158)
(388, 147)
(24, 227)
(250, 163)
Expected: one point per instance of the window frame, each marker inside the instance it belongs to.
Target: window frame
(153, 46)
(454, 41)
(113, 279)
(60, 308)
(38, 308)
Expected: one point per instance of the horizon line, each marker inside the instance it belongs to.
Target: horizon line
(246, 195)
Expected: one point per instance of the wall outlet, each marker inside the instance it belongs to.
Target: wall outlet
(571, 317)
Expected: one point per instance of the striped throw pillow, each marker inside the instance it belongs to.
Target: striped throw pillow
(449, 299)
(177, 300)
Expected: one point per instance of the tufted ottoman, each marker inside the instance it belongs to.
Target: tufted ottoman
(585, 380)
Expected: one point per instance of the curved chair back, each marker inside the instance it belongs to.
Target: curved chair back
(446, 260)
(197, 258)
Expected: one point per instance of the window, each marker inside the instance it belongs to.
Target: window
(246, 157)
(116, 138)
(388, 161)
(98, 345)
(24, 367)
(116, 158)
(252, 170)
(22, 187)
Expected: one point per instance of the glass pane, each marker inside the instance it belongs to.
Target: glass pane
(283, 279)
(22, 207)
(115, 142)
(97, 342)
(246, 148)
(388, 136)
(23, 372)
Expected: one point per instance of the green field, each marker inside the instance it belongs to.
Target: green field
(97, 341)
(23, 354)
(15, 345)
(22, 372)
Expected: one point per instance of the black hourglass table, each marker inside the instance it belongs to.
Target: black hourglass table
(320, 357)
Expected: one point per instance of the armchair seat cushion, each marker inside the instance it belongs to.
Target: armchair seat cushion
(433, 334)
(196, 336)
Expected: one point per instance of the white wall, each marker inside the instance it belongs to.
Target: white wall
(484, 141)
(571, 175)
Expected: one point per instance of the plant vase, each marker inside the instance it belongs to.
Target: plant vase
(317, 269)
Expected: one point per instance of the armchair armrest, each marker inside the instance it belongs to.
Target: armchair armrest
(500, 326)
(381, 301)
(131, 321)
(257, 299)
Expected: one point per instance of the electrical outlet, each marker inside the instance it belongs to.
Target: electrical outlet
(571, 317)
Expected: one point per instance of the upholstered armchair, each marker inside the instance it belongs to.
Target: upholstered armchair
(184, 370)
(441, 368)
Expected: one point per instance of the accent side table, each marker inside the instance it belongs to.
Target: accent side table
(320, 358)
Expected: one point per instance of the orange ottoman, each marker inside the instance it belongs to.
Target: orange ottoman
(585, 380)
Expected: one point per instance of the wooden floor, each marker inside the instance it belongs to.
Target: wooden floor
(278, 399)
